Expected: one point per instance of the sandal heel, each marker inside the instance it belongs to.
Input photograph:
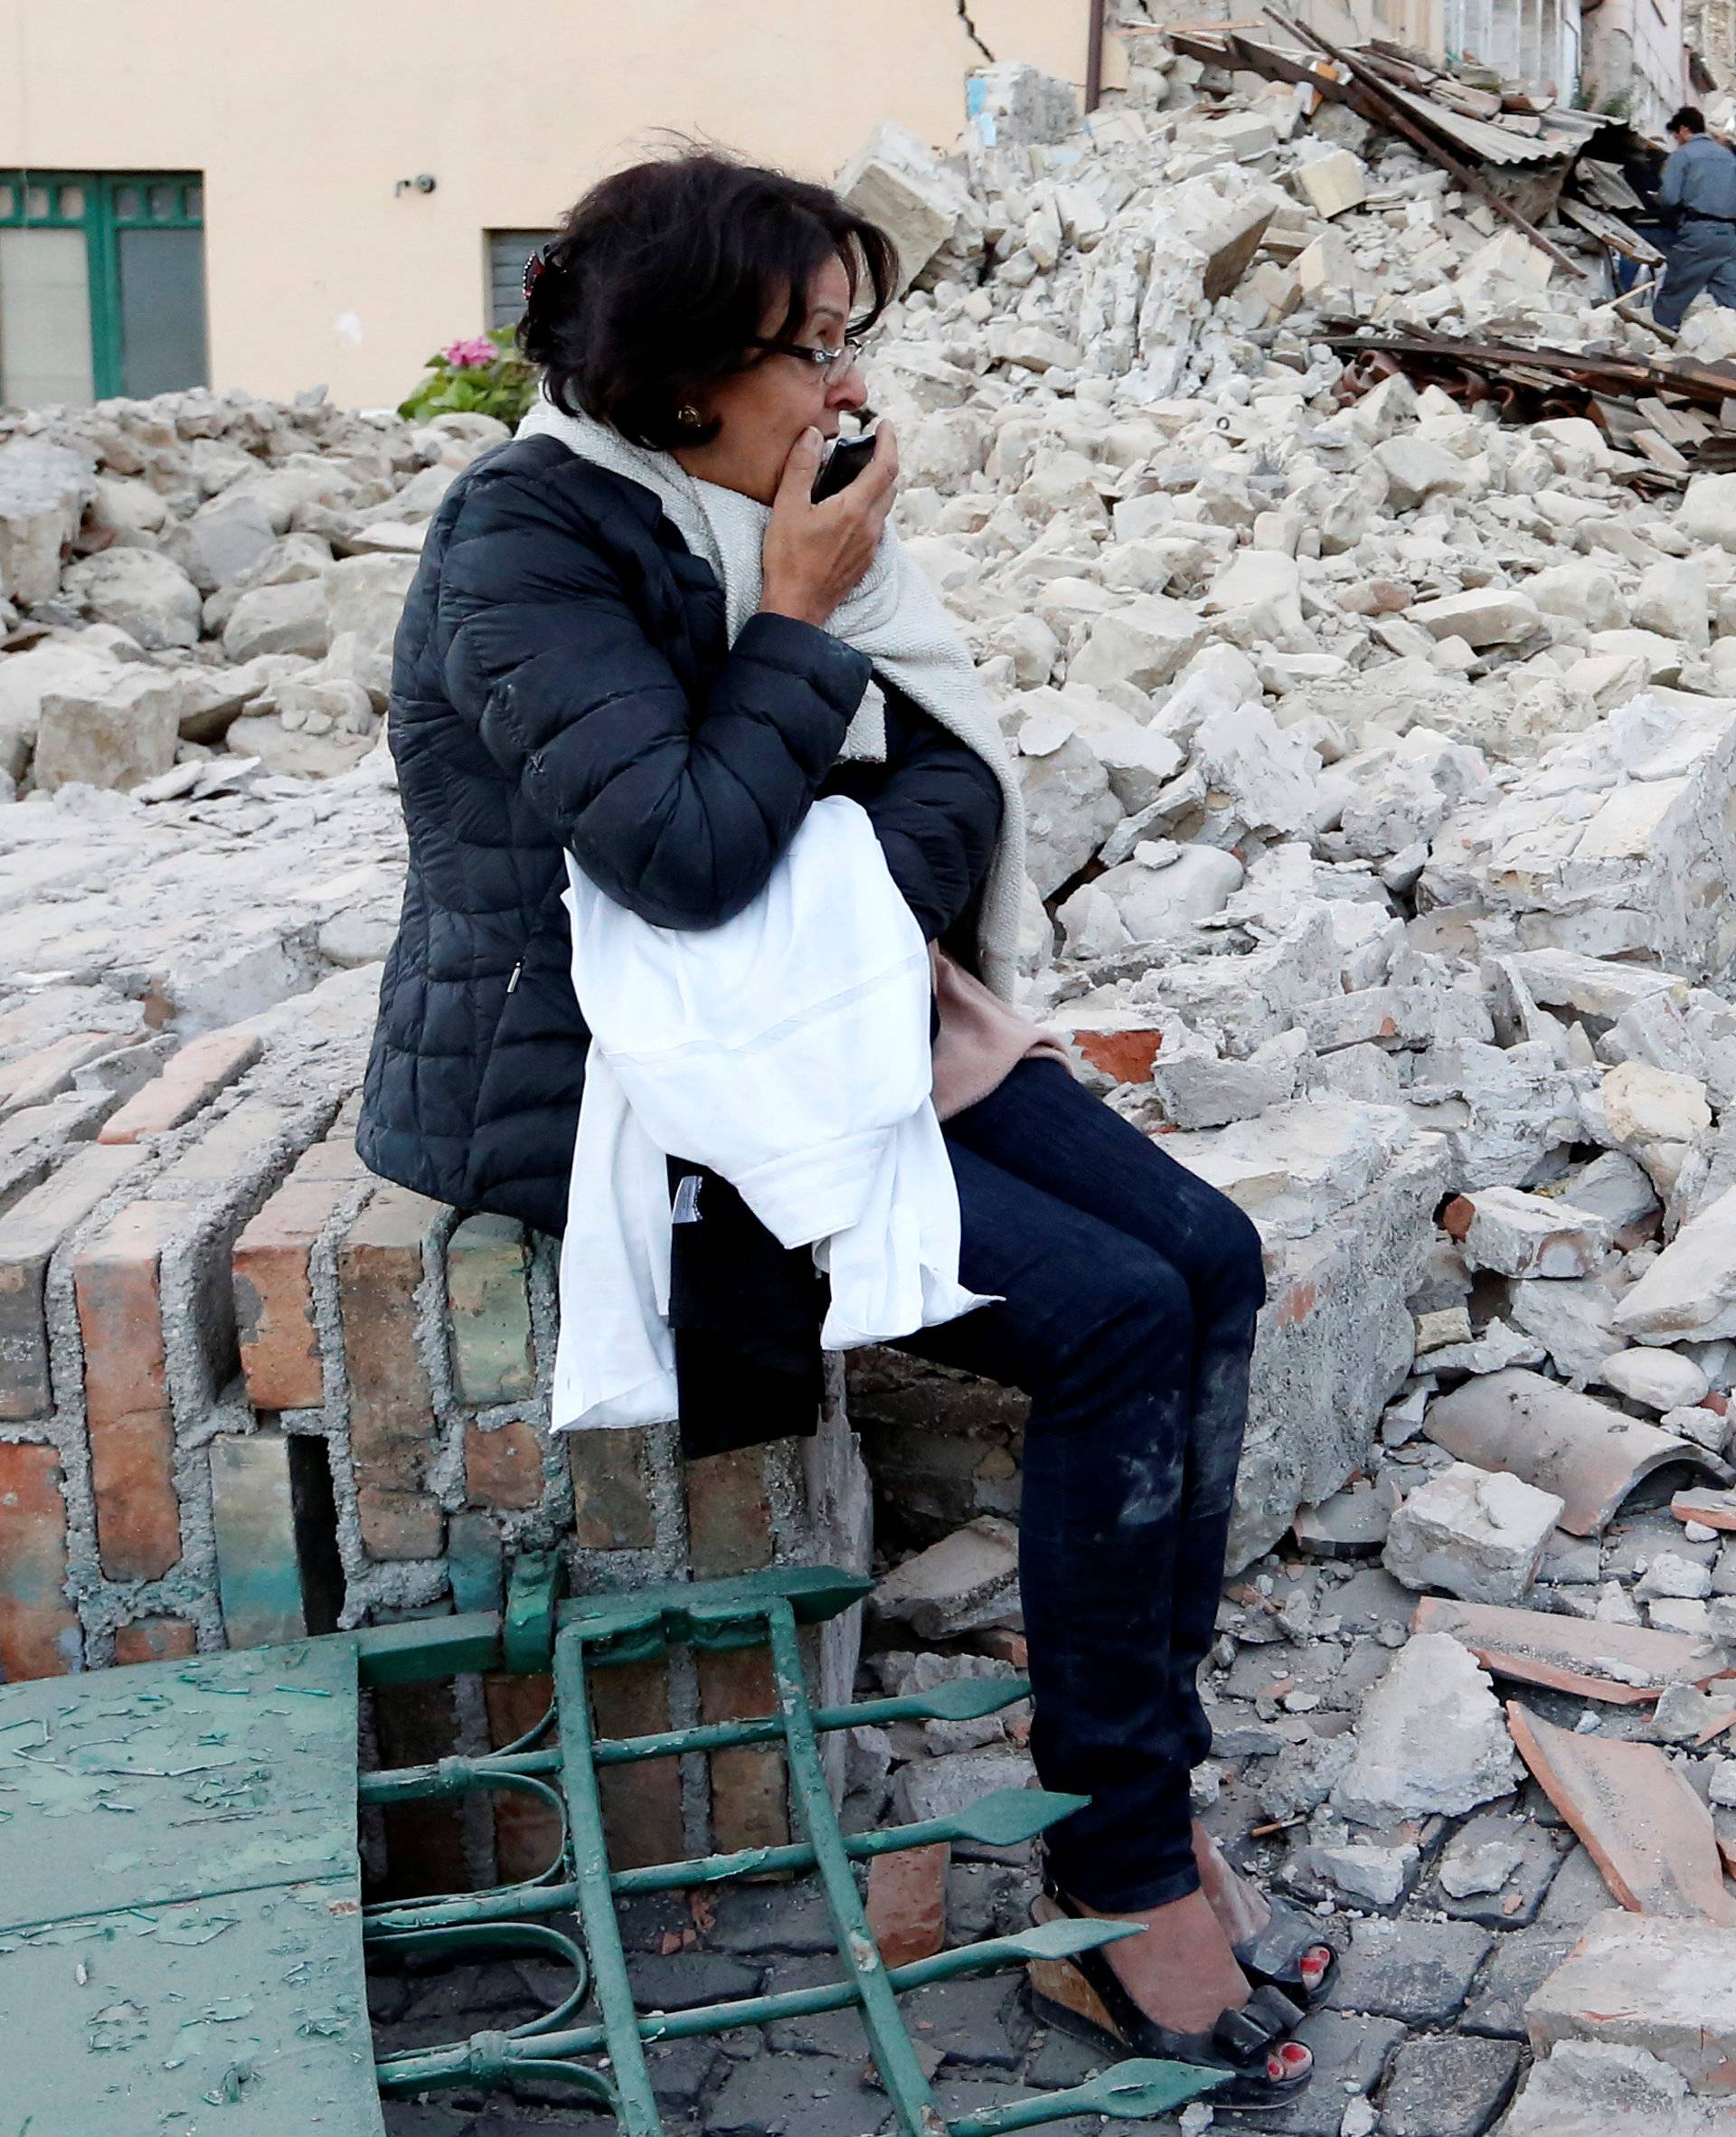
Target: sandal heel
(1061, 1996)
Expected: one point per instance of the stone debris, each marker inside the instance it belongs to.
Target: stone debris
(1479, 1533)
(1430, 1739)
(1664, 1988)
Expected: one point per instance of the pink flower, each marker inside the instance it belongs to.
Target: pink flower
(472, 355)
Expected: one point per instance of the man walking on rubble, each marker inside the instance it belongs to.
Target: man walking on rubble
(1697, 197)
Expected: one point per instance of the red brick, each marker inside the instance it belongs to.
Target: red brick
(274, 1291)
(155, 1640)
(241, 1146)
(48, 1070)
(391, 1405)
(907, 1903)
(528, 1831)
(117, 1281)
(39, 1628)
(39, 1015)
(611, 1498)
(750, 1805)
(1456, 1218)
(729, 1513)
(30, 1232)
(192, 1079)
(503, 1467)
(641, 1802)
(486, 1262)
(1126, 1055)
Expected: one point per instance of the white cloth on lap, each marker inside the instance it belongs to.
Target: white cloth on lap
(787, 1051)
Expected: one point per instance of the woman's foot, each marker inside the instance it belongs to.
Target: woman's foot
(1245, 1915)
(1182, 1998)
(1181, 1972)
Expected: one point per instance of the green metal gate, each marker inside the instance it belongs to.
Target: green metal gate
(180, 1916)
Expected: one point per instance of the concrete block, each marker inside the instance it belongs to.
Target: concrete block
(967, 1580)
(1430, 1737)
(1333, 182)
(1476, 1533)
(1689, 1292)
(1515, 1234)
(1643, 1982)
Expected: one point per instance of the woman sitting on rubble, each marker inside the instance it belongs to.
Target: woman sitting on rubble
(595, 661)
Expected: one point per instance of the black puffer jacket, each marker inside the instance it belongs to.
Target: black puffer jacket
(562, 679)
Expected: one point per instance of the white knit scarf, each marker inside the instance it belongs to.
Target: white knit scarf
(892, 615)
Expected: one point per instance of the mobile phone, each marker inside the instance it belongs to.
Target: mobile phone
(845, 461)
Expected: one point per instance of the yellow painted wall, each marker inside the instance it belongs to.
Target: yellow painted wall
(302, 117)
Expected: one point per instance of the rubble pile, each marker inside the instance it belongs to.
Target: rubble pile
(1378, 760)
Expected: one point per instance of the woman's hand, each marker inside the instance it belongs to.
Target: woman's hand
(814, 555)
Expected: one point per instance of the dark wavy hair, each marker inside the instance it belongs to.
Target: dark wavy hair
(660, 279)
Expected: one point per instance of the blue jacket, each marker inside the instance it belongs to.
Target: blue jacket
(1699, 179)
(561, 680)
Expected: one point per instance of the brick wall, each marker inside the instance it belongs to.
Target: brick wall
(249, 1391)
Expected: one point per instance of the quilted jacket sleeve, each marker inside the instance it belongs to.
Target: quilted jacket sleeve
(675, 810)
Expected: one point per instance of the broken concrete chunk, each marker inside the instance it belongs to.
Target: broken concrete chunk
(1690, 1290)
(895, 182)
(1518, 1234)
(1666, 1987)
(967, 1580)
(1479, 1534)
(1660, 1379)
(1430, 1737)
(1484, 616)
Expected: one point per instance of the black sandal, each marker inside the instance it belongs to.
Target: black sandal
(1084, 1996)
(1278, 1956)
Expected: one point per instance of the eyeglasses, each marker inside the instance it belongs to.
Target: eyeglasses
(832, 364)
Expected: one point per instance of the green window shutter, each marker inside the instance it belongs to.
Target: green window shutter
(102, 285)
(508, 250)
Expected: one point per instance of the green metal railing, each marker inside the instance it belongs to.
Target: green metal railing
(558, 1762)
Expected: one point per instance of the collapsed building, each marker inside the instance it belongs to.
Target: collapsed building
(1378, 751)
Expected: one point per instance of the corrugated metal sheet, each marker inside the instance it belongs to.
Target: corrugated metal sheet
(1483, 138)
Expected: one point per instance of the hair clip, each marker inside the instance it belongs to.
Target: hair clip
(534, 266)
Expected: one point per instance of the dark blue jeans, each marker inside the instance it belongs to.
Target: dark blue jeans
(1131, 1289)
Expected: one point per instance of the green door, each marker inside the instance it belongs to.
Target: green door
(102, 285)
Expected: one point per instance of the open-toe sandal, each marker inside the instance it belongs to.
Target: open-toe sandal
(1289, 1954)
(1084, 1996)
